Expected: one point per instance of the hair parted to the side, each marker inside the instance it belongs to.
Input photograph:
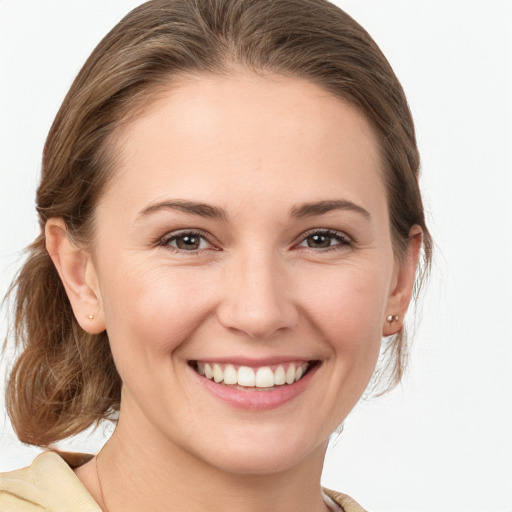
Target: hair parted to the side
(65, 379)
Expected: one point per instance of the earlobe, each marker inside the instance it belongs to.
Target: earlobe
(400, 297)
(77, 273)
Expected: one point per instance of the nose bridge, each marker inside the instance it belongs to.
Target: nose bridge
(257, 299)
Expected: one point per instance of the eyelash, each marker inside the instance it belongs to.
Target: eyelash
(341, 238)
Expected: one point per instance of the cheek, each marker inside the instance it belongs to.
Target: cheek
(348, 306)
(153, 311)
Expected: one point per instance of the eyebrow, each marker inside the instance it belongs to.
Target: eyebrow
(215, 212)
(321, 207)
(191, 207)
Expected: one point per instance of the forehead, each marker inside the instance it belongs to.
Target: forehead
(243, 134)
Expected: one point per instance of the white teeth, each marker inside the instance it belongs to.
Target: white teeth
(218, 374)
(230, 375)
(246, 377)
(279, 376)
(290, 374)
(263, 377)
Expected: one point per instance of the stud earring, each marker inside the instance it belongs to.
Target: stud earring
(392, 318)
(91, 317)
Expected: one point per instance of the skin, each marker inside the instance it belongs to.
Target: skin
(259, 148)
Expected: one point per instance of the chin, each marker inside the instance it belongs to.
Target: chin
(258, 451)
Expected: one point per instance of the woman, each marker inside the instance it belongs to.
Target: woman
(230, 223)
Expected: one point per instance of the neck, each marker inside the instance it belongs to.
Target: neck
(141, 474)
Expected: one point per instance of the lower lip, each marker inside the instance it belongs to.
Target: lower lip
(255, 399)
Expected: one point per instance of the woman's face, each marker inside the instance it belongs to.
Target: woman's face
(245, 236)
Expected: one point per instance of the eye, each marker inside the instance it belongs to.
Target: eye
(188, 241)
(325, 239)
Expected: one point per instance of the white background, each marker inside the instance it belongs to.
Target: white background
(443, 440)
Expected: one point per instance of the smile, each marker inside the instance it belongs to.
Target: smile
(263, 377)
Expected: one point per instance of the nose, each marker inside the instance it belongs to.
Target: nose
(258, 298)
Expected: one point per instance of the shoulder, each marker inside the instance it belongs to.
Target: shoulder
(48, 483)
(346, 502)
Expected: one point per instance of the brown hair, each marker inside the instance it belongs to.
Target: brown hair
(65, 379)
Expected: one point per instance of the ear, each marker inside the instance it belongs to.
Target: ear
(78, 275)
(403, 283)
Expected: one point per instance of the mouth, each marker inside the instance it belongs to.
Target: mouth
(259, 378)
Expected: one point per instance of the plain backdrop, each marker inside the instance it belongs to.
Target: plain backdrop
(442, 441)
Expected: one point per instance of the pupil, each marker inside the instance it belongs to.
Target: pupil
(187, 242)
(319, 241)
